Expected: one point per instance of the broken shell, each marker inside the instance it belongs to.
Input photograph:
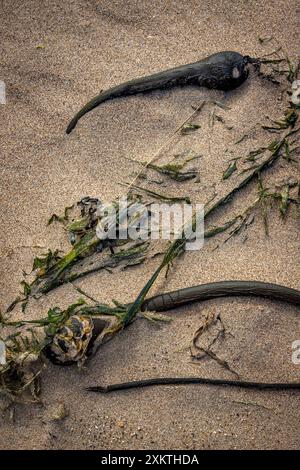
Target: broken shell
(295, 98)
(79, 337)
(71, 341)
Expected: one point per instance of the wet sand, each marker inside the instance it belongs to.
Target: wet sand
(55, 57)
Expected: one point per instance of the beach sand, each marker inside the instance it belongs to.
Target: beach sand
(54, 57)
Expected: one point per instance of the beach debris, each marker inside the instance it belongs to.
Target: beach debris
(23, 366)
(61, 218)
(24, 346)
(2, 353)
(295, 98)
(54, 269)
(229, 170)
(289, 120)
(177, 247)
(71, 340)
(160, 196)
(277, 62)
(120, 423)
(265, 40)
(196, 110)
(261, 386)
(175, 170)
(189, 127)
(213, 117)
(58, 412)
(199, 351)
(223, 70)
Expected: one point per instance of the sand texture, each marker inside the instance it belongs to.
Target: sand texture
(86, 46)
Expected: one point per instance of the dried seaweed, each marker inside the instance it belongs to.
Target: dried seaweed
(198, 352)
(61, 218)
(230, 170)
(289, 120)
(265, 40)
(175, 169)
(284, 200)
(53, 269)
(196, 111)
(177, 247)
(161, 197)
(188, 128)
(277, 57)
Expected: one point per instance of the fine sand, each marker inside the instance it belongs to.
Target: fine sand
(54, 57)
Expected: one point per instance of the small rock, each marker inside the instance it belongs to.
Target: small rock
(59, 412)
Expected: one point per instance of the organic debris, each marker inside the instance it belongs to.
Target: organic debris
(289, 120)
(295, 98)
(161, 197)
(26, 341)
(177, 247)
(52, 269)
(274, 61)
(175, 169)
(59, 412)
(198, 352)
(189, 127)
(230, 169)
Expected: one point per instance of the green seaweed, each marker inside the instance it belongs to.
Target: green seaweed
(289, 120)
(54, 269)
(284, 200)
(188, 128)
(162, 197)
(61, 218)
(229, 170)
(174, 171)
